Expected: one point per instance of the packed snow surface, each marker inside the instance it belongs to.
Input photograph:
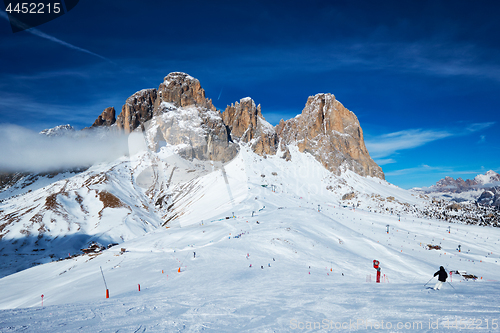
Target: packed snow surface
(266, 245)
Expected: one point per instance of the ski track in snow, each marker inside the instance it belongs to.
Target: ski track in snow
(315, 265)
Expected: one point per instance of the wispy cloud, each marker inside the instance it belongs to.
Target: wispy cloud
(479, 126)
(41, 34)
(389, 144)
(386, 145)
(385, 161)
(421, 169)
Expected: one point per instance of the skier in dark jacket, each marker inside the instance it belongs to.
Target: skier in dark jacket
(442, 276)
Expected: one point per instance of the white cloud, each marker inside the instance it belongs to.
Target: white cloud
(27, 151)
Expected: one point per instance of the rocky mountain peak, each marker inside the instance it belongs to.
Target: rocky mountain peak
(184, 116)
(106, 118)
(332, 134)
(182, 90)
(246, 124)
(241, 118)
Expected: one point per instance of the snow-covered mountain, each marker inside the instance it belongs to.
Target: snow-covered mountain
(483, 189)
(178, 144)
(206, 204)
(448, 184)
(176, 137)
(256, 244)
(60, 130)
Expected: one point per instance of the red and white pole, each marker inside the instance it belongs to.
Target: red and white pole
(42, 299)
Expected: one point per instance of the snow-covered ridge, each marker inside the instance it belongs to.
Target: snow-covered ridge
(489, 178)
(483, 189)
(60, 130)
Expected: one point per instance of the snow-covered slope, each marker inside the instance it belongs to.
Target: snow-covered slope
(287, 265)
(262, 244)
(56, 217)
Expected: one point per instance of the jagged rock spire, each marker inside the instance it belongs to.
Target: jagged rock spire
(247, 124)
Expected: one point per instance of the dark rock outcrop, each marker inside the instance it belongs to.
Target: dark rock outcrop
(490, 197)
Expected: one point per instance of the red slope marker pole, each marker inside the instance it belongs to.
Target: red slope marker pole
(42, 299)
(376, 265)
(105, 285)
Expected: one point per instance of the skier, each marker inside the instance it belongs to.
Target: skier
(441, 278)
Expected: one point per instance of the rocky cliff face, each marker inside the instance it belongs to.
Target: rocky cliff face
(106, 118)
(183, 90)
(137, 110)
(184, 117)
(247, 124)
(332, 134)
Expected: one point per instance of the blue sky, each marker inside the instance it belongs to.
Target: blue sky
(423, 77)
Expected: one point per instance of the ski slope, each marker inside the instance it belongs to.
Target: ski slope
(260, 258)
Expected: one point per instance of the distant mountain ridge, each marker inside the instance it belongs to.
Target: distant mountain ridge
(459, 185)
(483, 189)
